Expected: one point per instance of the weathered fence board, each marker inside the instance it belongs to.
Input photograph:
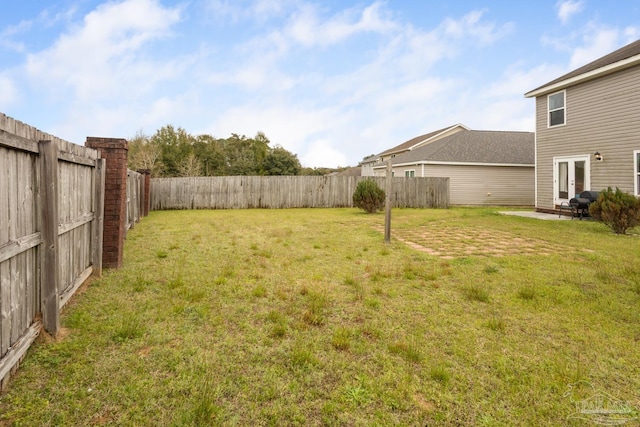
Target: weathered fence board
(48, 231)
(242, 192)
(134, 195)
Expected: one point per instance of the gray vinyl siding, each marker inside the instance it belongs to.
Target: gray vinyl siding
(601, 115)
(367, 169)
(472, 184)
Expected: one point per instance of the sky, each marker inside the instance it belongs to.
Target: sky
(332, 81)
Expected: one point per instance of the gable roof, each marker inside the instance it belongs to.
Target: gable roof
(475, 146)
(408, 145)
(625, 57)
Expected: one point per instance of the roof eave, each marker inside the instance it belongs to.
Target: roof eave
(590, 75)
(417, 144)
(452, 163)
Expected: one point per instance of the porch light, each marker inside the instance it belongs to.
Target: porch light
(598, 156)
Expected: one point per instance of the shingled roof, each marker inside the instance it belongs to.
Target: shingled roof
(475, 146)
(624, 53)
(418, 139)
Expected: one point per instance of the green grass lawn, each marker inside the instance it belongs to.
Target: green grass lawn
(305, 317)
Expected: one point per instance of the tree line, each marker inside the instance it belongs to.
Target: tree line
(172, 152)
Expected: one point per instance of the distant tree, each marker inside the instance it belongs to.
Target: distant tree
(190, 166)
(175, 146)
(320, 171)
(261, 148)
(279, 161)
(174, 152)
(144, 155)
(210, 152)
(245, 156)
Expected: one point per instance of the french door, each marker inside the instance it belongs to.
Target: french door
(570, 177)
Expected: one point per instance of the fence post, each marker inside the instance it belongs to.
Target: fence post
(146, 185)
(387, 203)
(114, 151)
(98, 222)
(49, 214)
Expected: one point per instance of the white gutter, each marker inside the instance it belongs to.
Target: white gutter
(455, 164)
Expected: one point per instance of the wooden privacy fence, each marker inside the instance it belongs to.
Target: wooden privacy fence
(135, 198)
(241, 192)
(51, 204)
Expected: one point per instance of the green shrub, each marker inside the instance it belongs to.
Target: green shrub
(617, 210)
(369, 196)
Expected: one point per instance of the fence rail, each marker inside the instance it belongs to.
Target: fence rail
(241, 192)
(50, 231)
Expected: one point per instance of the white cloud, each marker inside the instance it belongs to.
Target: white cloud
(329, 85)
(289, 125)
(321, 153)
(307, 28)
(7, 35)
(102, 57)
(471, 26)
(504, 106)
(631, 34)
(597, 43)
(386, 98)
(516, 81)
(591, 42)
(45, 20)
(233, 11)
(48, 19)
(568, 8)
(9, 92)
(414, 92)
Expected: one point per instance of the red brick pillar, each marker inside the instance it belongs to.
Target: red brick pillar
(146, 204)
(114, 151)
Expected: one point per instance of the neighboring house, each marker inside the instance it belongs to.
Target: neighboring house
(483, 167)
(588, 129)
(370, 162)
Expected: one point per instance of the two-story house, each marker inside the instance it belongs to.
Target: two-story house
(588, 129)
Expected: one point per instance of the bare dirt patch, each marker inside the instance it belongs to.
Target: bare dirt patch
(450, 242)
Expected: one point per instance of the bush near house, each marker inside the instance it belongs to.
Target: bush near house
(369, 196)
(618, 210)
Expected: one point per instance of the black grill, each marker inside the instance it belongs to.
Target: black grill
(580, 205)
(592, 196)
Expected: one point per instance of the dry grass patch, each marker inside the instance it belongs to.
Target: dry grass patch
(448, 242)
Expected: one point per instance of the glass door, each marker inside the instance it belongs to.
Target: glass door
(571, 177)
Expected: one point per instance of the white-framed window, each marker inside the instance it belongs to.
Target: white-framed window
(409, 174)
(557, 110)
(636, 172)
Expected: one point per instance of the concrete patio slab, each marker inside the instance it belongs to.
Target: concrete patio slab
(537, 215)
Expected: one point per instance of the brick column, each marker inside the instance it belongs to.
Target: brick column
(114, 151)
(146, 175)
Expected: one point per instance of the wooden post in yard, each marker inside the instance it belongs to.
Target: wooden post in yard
(49, 214)
(387, 204)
